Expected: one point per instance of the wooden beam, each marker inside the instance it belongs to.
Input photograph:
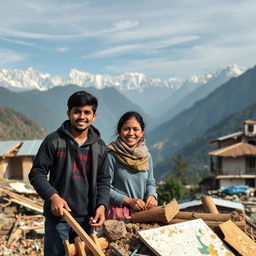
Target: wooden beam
(209, 205)
(71, 249)
(83, 235)
(206, 216)
(157, 214)
(80, 246)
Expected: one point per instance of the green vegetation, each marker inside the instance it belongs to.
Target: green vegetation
(170, 189)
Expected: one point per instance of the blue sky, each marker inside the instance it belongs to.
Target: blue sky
(161, 39)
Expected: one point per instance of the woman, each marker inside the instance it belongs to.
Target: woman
(132, 181)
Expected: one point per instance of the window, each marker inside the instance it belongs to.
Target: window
(250, 128)
(250, 164)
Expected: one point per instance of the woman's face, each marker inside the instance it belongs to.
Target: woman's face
(131, 132)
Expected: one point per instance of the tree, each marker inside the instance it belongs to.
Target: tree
(181, 169)
(170, 189)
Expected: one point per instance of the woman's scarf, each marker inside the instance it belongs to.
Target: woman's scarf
(135, 158)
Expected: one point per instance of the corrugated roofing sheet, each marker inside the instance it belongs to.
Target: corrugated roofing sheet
(5, 146)
(29, 147)
(232, 135)
(217, 202)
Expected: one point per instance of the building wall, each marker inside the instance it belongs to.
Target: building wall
(27, 163)
(231, 182)
(13, 168)
(233, 165)
(2, 168)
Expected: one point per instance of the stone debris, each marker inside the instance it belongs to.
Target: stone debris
(114, 229)
(22, 230)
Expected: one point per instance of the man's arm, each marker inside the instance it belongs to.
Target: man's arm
(38, 174)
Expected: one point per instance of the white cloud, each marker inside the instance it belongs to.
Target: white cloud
(142, 48)
(62, 49)
(19, 42)
(120, 26)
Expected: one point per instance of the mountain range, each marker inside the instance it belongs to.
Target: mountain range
(141, 90)
(233, 96)
(49, 108)
(177, 112)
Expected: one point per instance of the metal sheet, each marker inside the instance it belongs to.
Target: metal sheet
(29, 147)
(5, 146)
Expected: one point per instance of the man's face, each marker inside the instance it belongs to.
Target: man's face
(81, 117)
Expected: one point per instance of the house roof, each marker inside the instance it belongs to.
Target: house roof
(27, 148)
(229, 136)
(249, 122)
(235, 150)
(5, 146)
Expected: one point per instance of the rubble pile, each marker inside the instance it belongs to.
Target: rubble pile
(124, 238)
(22, 224)
(21, 227)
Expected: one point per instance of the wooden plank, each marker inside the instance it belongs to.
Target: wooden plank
(238, 239)
(157, 214)
(96, 241)
(71, 249)
(83, 235)
(192, 237)
(209, 205)
(80, 246)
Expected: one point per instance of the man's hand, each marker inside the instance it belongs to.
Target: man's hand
(57, 205)
(99, 217)
(150, 202)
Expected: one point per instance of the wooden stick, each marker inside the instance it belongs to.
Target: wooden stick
(71, 249)
(80, 246)
(83, 235)
(95, 240)
(209, 205)
(204, 216)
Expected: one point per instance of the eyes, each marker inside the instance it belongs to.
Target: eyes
(135, 129)
(80, 112)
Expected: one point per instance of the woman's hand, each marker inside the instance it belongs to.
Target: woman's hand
(135, 203)
(150, 202)
(57, 205)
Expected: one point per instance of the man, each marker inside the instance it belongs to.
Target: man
(75, 158)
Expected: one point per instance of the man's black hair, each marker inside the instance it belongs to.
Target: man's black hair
(82, 98)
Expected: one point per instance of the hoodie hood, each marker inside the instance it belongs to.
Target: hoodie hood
(93, 133)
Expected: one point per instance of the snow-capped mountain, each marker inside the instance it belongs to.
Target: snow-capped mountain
(22, 80)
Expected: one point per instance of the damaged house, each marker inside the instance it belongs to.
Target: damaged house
(233, 163)
(16, 158)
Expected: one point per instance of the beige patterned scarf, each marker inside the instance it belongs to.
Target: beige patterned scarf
(135, 158)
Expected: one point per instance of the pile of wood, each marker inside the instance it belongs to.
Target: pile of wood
(234, 228)
(21, 223)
